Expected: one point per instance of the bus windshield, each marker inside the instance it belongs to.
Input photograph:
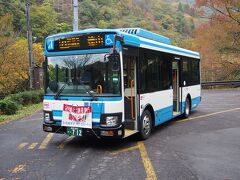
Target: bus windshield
(83, 75)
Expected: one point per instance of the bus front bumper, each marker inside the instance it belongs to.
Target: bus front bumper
(99, 132)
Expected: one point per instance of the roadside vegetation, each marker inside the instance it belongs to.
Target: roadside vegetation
(18, 105)
(21, 113)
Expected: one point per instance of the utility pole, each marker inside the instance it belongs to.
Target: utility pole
(75, 15)
(30, 45)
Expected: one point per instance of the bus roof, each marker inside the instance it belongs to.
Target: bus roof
(137, 37)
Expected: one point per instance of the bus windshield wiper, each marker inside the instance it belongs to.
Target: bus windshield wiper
(60, 90)
(90, 92)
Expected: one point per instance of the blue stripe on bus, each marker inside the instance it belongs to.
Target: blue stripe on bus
(131, 40)
(95, 123)
(87, 98)
(57, 113)
(195, 102)
(97, 109)
(164, 115)
(57, 122)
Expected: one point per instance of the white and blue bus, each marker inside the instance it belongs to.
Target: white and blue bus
(116, 82)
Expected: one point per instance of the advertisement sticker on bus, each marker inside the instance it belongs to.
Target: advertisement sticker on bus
(77, 116)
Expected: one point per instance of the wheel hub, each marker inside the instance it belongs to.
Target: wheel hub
(146, 124)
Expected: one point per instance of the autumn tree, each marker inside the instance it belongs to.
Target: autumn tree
(6, 40)
(14, 58)
(218, 39)
(226, 13)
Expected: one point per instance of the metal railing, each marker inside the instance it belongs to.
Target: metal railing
(233, 83)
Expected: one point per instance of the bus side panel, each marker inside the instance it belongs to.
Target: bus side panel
(162, 104)
(194, 92)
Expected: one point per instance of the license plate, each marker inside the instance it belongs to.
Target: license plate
(74, 131)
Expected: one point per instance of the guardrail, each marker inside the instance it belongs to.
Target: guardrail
(235, 83)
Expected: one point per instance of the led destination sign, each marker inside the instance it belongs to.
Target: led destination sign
(67, 43)
(90, 41)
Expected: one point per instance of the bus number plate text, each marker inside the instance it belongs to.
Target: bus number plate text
(74, 131)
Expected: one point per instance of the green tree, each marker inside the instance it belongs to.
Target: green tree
(7, 34)
(180, 7)
(43, 20)
(180, 22)
(16, 9)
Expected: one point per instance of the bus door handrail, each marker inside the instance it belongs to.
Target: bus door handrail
(99, 89)
(131, 96)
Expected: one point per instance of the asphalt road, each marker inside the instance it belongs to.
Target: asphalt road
(205, 146)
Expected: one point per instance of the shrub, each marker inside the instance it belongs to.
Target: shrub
(16, 98)
(27, 97)
(10, 104)
(8, 107)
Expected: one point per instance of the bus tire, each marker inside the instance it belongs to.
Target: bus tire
(146, 125)
(187, 108)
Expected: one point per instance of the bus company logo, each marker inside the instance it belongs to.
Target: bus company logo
(109, 38)
(46, 105)
(50, 44)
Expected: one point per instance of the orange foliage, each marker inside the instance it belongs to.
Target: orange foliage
(218, 40)
(14, 63)
(14, 67)
(38, 54)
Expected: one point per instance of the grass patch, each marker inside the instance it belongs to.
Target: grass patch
(22, 112)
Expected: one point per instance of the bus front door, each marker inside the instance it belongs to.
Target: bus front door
(129, 73)
(175, 84)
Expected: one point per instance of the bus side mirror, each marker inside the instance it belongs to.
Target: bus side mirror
(116, 65)
(114, 58)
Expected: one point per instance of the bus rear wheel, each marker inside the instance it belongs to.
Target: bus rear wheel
(146, 125)
(187, 108)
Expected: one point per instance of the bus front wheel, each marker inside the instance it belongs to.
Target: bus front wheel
(146, 125)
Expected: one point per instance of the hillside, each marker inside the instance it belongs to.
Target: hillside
(216, 38)
(54, 16)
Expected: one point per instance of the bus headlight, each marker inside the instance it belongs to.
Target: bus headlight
(47, 117)
(111, 121)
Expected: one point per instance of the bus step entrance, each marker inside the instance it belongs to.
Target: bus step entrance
(175, 113)
(129, 132)
(129, 124)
